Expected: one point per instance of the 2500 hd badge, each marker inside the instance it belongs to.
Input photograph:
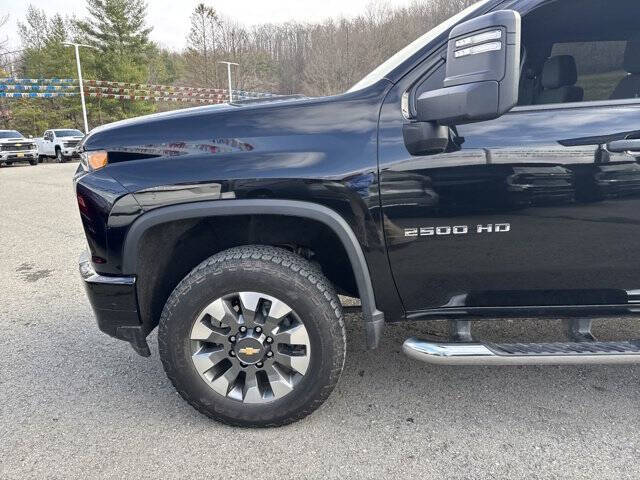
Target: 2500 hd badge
(457, 230)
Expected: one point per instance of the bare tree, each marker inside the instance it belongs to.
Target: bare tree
(201, 46)
(312, 58)
(4, 41)
(33, 31)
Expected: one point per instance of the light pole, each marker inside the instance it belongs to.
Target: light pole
(228, 64)
(84, 107)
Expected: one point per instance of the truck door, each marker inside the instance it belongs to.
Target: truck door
(52, 142)
(539, 208)
(47, 143)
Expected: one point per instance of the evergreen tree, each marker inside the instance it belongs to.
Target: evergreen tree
(44, 56)
(117, 28)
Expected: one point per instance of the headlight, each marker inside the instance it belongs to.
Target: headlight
(94, 160)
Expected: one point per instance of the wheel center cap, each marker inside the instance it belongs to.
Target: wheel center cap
(249, 350)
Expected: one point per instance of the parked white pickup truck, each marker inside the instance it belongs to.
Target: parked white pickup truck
(60, 144)
(14, 147)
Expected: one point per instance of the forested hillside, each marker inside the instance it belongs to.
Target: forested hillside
(308, 58)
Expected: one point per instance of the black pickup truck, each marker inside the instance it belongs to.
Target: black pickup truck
(489, 170)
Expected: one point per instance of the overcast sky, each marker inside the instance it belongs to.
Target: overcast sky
(170, 18)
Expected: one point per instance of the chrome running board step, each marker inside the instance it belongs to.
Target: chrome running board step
(560, 353)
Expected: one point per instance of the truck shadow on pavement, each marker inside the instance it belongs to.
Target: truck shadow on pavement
(386, 388)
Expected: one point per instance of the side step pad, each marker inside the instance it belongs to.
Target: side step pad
(560, 353)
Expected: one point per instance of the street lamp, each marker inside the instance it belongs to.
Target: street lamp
(228, 64)
(84, 107)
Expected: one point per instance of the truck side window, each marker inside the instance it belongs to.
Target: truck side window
(600, 66)
(581, 51)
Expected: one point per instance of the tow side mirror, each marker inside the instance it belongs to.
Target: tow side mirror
(483, 72)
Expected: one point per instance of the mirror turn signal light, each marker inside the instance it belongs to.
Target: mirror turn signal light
(479, 38)
(479, 43)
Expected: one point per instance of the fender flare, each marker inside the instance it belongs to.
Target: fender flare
(373, 318)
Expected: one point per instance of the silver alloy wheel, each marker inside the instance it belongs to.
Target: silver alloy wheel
(250, 347)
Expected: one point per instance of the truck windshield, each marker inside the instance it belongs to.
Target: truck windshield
(10, 134)
(387, 67)
(69, 133)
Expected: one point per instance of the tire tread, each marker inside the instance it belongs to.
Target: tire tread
(275, 257)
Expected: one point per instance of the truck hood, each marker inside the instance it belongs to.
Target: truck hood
(204, 111)
(277, 138)
(302, 138)
(239, 127)
(70, 138)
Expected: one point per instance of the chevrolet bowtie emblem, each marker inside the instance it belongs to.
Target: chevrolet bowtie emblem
(249, 351)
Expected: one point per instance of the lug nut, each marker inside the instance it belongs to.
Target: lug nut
(259, 364)
(269, 340)
(232, 339)
(232, 353)
(269, 354)
(257, 329)
(243, 329)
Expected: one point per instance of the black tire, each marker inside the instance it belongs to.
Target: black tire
(59, 156)
(275, 272)
(33, 162)
(8, 164)
(41, 158)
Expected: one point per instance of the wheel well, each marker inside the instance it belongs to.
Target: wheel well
(169, 251)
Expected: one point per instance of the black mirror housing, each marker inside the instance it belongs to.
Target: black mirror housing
(460, 104)
(425, 138)
(483, 72)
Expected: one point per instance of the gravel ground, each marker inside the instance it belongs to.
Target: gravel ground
(75, 403)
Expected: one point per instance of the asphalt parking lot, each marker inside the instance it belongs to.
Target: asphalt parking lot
(75, 403)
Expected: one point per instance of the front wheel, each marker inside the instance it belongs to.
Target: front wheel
(253, 336)
(59, 156)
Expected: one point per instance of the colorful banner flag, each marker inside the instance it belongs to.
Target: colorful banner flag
(134, 91)
(151, 87)
(153, 98)
(31, 88)
(23, 81)
(37, 88)
(35, 95)
(55, 84)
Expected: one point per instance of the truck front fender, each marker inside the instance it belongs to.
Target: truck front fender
(374, 319)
